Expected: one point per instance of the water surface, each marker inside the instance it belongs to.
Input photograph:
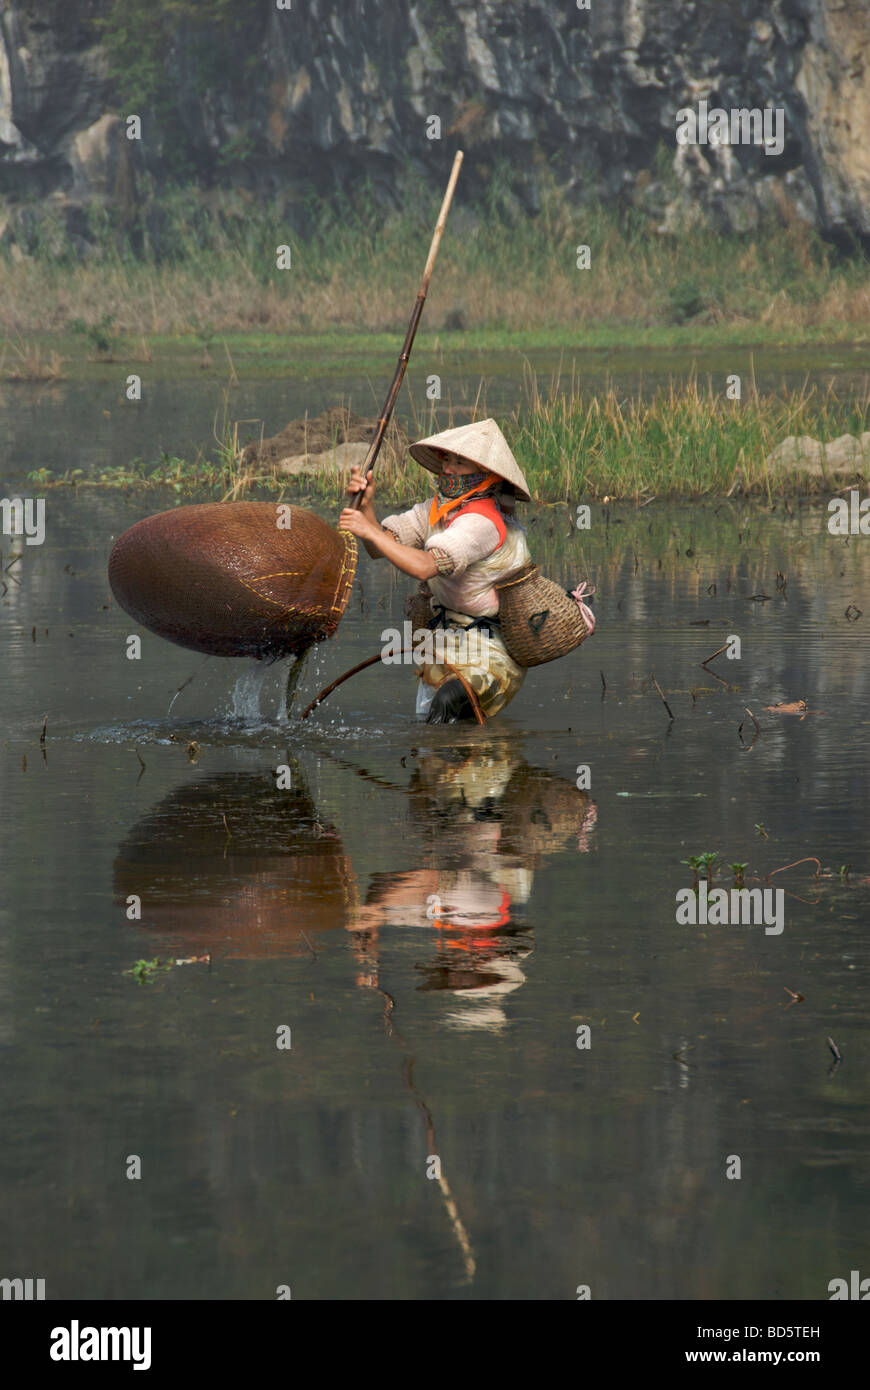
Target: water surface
(433, 913)
(90, 425)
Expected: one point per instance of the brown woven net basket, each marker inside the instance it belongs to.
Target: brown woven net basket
(224, 578)
(539, 621)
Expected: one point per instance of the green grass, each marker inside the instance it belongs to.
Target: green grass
(207, 268)
(681, 442)
(685, 442)
(479, 351)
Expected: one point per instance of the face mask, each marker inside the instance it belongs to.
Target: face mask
(451, 486)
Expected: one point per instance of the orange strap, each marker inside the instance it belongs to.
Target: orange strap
(436, 512)
(485, 506)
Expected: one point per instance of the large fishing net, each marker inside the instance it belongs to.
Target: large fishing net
(235, 578)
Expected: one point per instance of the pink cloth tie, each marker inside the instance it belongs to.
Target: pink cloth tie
(584, 591)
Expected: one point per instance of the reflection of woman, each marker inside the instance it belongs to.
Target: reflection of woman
(496, 818)
(232, 866)
(461, 543)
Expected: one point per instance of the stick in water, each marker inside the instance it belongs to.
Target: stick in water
(664, 701)
(361, 666)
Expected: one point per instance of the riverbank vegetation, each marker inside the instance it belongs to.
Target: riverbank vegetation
(686, 441)
(198, 266)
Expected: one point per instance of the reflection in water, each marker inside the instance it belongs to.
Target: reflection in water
(488, 819)
(267, 1172)
(237, 868)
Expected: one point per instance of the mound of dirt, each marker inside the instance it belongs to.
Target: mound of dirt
(317, 440)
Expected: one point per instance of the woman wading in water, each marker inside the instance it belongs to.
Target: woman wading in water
(460, 544)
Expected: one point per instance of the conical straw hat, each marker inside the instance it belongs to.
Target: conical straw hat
(482, 444)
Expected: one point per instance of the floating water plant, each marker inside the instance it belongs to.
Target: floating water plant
(694, 863)
(702, 864)
(143, 971)
(708, 862)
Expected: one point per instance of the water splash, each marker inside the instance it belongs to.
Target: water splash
(247, 690)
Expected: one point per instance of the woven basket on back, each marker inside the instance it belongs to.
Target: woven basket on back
(539, 621)
(224, 578)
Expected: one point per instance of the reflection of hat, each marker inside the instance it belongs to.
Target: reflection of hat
(483, 444)
(480, 1005)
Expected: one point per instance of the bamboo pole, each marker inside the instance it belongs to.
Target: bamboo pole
(392, 394)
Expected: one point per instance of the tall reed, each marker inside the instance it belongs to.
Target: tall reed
(194, 261)
(685, 441)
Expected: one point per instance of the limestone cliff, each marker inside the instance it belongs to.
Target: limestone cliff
(311, 97)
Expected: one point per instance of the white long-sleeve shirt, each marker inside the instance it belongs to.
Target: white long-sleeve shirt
(467, 554)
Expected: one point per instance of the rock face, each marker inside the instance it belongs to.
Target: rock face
(307, 99)
(339, 460)
(846, 456)
(53, 84)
